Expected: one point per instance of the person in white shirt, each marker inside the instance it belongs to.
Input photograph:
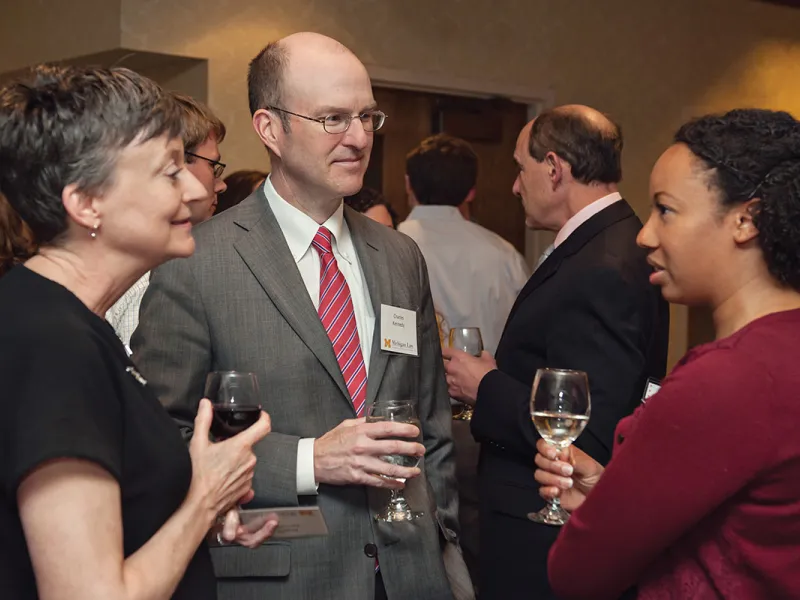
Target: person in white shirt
(475, 274)
(202, 134)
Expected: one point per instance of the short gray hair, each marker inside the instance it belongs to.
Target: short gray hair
(67, 125)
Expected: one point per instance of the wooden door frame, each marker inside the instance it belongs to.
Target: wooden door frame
(536, 98)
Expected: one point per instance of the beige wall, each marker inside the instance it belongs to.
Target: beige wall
(34, 31)
(650, 63)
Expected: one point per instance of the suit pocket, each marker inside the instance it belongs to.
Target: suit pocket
(446, 534)
(270, 560)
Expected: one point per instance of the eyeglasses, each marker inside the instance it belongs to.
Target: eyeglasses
(371, 120)
(219, 167)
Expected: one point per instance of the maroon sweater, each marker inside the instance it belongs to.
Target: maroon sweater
(702, 496)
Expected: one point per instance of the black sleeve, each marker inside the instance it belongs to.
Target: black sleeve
(598, 330)
(60, 401)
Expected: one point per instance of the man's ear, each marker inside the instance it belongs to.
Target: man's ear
(555, 169)
(269, 128)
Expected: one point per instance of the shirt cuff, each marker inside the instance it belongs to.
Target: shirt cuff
(306, 483)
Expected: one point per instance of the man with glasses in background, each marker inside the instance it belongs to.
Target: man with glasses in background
(315, 299)
(203, 132)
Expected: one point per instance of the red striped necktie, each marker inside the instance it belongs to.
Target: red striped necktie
(339, 319)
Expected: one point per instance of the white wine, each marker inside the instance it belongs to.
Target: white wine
(559, 429)
(401, 460)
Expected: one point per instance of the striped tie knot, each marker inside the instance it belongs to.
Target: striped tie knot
(322, 241)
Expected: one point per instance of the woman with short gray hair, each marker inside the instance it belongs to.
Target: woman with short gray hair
(100, 498)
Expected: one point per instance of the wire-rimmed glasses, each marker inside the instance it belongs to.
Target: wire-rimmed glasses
(371, 120)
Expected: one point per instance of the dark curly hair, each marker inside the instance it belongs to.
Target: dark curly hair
(755, 154)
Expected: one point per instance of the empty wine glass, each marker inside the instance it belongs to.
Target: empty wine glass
(398, 411)
(466, 339)
(560, 409)
(234, 396)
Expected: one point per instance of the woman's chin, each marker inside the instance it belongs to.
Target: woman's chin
(180, 249)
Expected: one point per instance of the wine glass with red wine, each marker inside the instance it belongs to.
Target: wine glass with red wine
(234, 396)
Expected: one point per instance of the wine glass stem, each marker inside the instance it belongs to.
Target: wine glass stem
(397, 502)
(555, 504)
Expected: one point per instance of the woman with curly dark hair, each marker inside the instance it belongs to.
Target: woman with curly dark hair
(16, 242)
(702, 496)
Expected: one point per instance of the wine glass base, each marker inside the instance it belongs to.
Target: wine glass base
(548, 516)
(464, 415)
(397, 510)
(395, 516)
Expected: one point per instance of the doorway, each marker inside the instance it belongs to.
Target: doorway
(489, 125)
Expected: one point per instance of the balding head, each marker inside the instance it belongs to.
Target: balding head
(284, 65)
(314, 110)
(581, 136)
(591, 117)
(312, 42)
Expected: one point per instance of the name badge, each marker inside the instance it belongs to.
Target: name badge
(651, 387)
(399, 330)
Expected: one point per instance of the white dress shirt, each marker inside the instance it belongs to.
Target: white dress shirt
(583, 215)
(124, 314)
(475, 274)
(576, 220)
(299, 230)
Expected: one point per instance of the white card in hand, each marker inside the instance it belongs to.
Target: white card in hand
(293, 521)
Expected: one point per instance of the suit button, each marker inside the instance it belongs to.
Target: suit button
(371, 550)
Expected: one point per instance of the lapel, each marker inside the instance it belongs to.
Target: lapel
(374, 260)
(265, 252)
(572, 245)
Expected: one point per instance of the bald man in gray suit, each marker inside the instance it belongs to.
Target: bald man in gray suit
(253, 298)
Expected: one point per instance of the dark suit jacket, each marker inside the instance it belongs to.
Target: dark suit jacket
(590, 307)
(240, 303)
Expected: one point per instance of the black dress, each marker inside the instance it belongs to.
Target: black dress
(69, 390)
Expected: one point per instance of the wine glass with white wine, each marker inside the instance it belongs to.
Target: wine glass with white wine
(469, 340)
(398, 411)
(560, 409)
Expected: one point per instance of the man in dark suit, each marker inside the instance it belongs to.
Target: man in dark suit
(588, 306)
(291, 285)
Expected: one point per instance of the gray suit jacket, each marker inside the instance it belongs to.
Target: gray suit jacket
(239, 303)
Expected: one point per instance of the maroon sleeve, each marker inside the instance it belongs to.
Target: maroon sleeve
(691, 447)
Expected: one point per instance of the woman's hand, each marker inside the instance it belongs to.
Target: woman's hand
(567, 474)
(222, 472)
(252, 535)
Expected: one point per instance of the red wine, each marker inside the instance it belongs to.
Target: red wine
(230, 420)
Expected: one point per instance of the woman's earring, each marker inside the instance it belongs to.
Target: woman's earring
(93, 232)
